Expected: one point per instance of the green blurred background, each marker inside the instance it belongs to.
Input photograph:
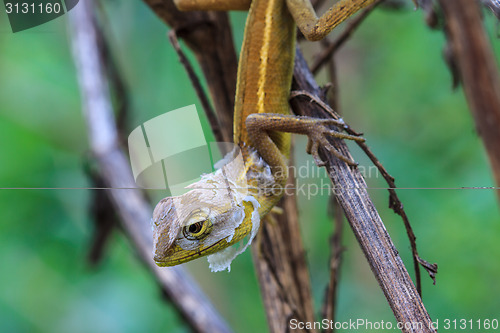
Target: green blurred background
(394, 87)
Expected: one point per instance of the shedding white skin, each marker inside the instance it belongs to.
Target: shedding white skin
(220, 198)
(217, 197)
(222, 260)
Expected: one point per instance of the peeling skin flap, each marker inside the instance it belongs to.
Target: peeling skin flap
(222, 260)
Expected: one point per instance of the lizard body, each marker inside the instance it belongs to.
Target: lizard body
(224, 207)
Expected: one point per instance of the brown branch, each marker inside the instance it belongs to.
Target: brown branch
(335, 211)
(134, 211)
(364, 219)
(332, 87)
(279, 259)
(478, 71)
(335, 262)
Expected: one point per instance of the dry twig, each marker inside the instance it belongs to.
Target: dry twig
(209, 112)
(134, 211)
(208, 35)
(478, 71)
(281, 266)
(368, 228)
(394, 202)
(327, 52)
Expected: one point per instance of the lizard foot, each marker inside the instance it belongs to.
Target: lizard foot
(318, 133)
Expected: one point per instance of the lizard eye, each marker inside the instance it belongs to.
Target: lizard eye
(197, 230)
(195, 227)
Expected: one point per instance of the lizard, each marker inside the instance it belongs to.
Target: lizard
(224, 207)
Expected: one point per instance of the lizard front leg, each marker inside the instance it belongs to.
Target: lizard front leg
(261, 125)
(315, 28)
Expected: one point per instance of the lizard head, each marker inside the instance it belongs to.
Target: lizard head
(207, 220)
(202, 230)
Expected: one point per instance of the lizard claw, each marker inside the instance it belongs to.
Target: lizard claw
(313, 149)
(318, 136)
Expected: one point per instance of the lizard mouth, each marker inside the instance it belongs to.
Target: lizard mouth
(172, 257)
